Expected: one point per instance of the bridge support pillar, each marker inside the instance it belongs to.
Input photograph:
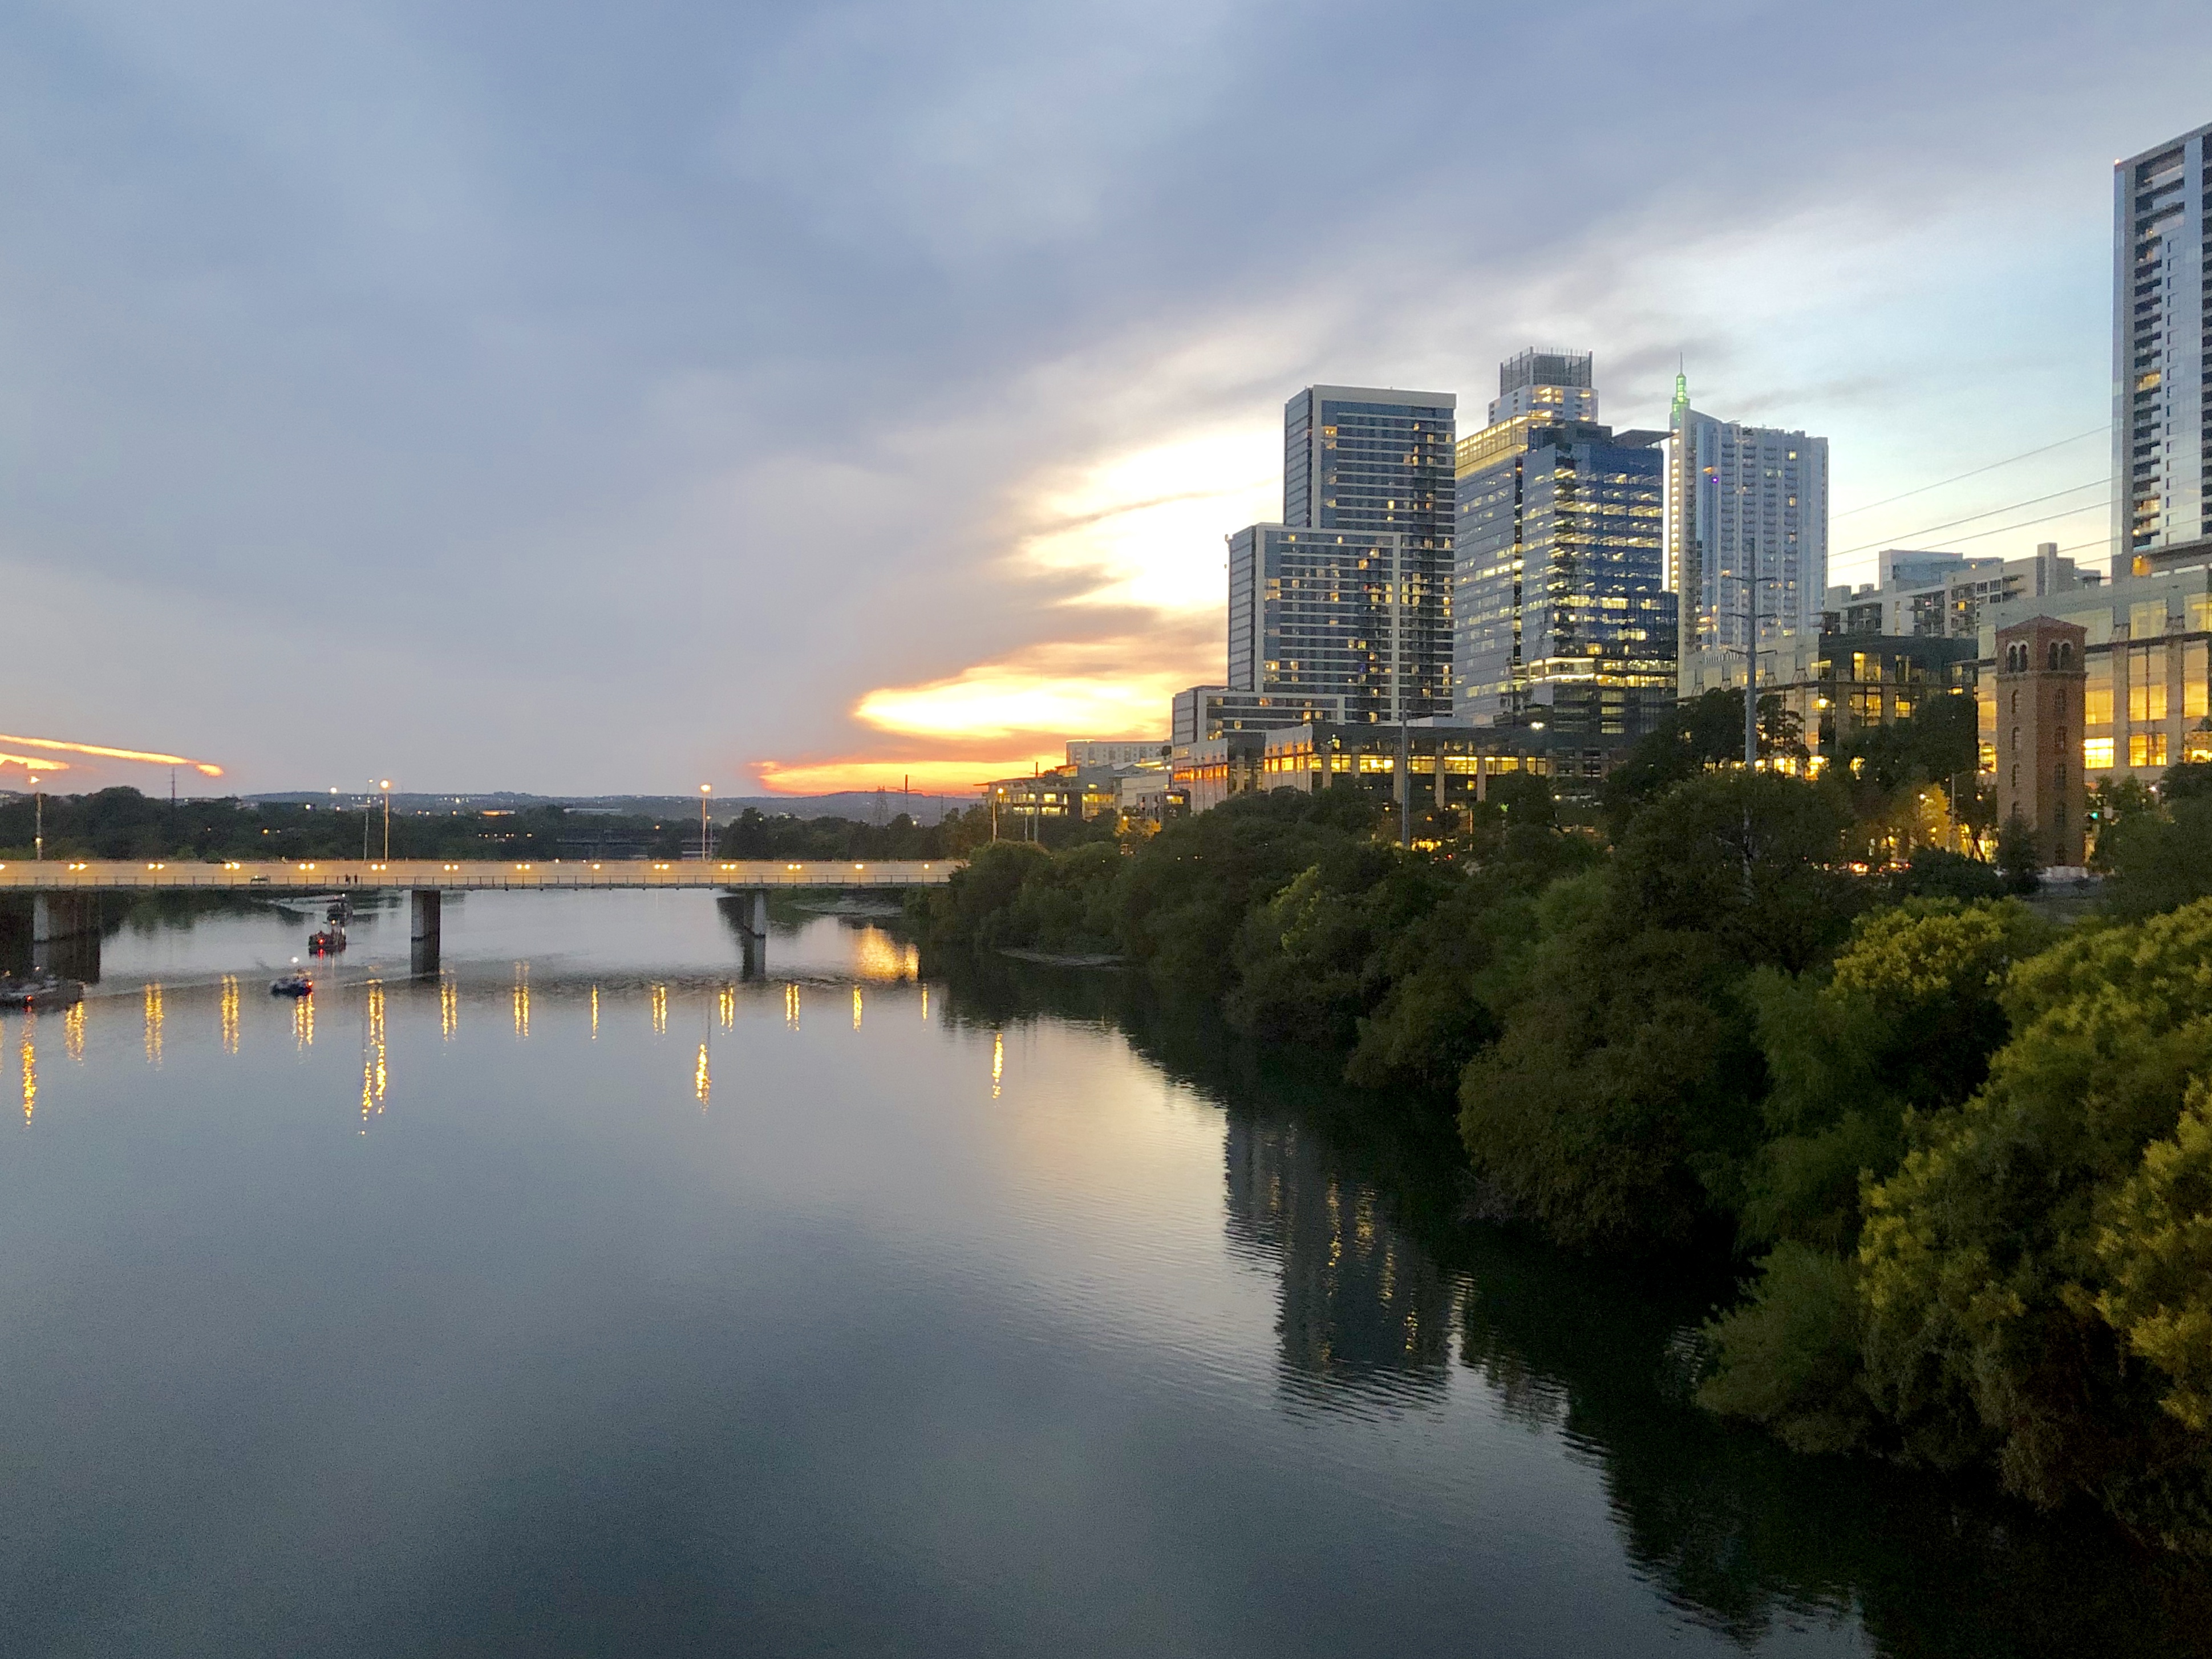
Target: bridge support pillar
(65, 935)
(750, 911)
(426, 911)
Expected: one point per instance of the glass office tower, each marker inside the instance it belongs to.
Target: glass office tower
(1560, 612)
(2161, 349)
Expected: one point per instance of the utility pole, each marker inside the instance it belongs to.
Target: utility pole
(387, 787)
(1751, 677)
(39, 810)
(705, 790)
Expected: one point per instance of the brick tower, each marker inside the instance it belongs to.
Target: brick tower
(2039, 685)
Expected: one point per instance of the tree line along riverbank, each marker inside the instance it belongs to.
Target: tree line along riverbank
(1962, 1149)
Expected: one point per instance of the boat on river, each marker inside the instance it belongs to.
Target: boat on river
(44, 991)
(328, 943)
(291, 985)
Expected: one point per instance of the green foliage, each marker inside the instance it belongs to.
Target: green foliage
(1787, 1356)
(1621, 1086)
(1933, 872)
(2154, 1249)
(1706, 730)
(1906, 1020)
(1747, 858)
(2161, 861)
(2018, 859)
(1936, 742)
(756, 834)
(1986, 1264)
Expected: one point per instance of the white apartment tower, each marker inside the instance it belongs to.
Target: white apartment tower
(1746, 518)
(2162, 328)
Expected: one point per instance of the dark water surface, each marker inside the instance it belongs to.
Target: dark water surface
(592, 1300)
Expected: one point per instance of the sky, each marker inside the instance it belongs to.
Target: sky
(594, 398)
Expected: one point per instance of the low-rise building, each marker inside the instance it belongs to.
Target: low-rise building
(1942, 595)
(1836, 682)
(2146, 668)
(1449, 766)
(1207, 711)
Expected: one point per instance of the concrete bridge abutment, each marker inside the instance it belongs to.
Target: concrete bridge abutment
(425, 918)
(65, 935)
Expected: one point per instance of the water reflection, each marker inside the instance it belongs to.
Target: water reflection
(449, 1008)
(372, 1054)
(702, 1081)
(658, 1000)
(28, 1041)
(521, 1001)
(856, 1007)
(1363, 1309)
(303, 1023)
(73, 1032)
(228, 1013)
(156, 1017)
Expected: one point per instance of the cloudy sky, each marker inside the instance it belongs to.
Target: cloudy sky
(607, 398)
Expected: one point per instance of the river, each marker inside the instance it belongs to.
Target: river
(592, 1299)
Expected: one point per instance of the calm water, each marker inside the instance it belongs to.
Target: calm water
(592, 1300)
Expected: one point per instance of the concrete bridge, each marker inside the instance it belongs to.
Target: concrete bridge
(64, 894)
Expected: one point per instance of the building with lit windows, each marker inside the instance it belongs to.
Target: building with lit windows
(1836, 683)
(1208, 711)
(1362, 458)
(1356, 617)
(1448, 766)
(2161, 348)
(1746, 518)
(2146, 654)
(1560, 612)
(1943, 594)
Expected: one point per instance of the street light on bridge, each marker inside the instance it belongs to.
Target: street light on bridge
(705, 790)
(385, 786)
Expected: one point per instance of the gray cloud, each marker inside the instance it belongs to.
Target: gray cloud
(628, 390)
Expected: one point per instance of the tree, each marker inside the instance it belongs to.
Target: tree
(1748, 858)
(2018, 860)
(1998, 1317)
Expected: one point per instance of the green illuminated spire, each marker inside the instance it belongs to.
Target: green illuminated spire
(1681, 396)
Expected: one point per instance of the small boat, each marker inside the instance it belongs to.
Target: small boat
(46, 991)
(292, 985)
(328, 943)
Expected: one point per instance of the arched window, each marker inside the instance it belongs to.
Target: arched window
(2058, 776)
(2058, 739)
(2015, 777)
(2015, 740)
(2016, 702)
(2066, 654)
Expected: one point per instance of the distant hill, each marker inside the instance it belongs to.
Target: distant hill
(861, 806)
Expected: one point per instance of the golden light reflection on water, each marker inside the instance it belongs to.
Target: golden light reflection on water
(791, 1006)
(595, 1013)
(925, 1003)
(878, 955)
(726, 1004)
(856, 1007)
(303, 1022)
(228, 1013)
(155, 1019)
(372, 1056)
(658, 1001)
(73, 1032)
(998, 1062)
(521, 1001)
(449, 1009)
(701, 1083)
(29, 1041)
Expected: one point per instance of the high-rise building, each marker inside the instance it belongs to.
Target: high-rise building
(2161, 349)
(1747, 522)
(1560, 613)
(1349, 598)
(1355, 616)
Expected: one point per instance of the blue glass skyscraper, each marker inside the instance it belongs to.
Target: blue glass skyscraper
(1561, 616)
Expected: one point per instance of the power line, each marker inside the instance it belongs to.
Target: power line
(1923, 488)
(2009, 506)
(2028, 524)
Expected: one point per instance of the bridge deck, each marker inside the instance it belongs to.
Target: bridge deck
(327, 875)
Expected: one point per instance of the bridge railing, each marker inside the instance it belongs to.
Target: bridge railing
(464, 875)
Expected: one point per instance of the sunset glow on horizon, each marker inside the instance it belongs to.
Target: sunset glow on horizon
(206, 769)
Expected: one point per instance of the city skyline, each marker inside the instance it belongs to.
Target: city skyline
(375, 395)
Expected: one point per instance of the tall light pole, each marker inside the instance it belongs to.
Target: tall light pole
(705, 790)
(39, 811)
(385, 786)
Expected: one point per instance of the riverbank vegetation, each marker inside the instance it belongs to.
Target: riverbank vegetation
(1963, 1152)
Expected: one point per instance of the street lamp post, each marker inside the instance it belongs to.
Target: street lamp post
(385, 784)
(705, 790)
(39, 811)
